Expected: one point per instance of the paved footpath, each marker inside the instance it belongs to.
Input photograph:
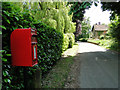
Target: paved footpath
(99, 67)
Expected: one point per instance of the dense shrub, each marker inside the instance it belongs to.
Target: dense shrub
(107, 37)
(71, 39)
(12, 18)
(115, 29)
(115, 46)
(65, 42)
(102, 37)
(83, 39)
(78, 37)
(49, 46)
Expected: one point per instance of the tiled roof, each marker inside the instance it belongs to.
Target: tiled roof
(100, 27)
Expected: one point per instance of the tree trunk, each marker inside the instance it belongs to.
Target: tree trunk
(78, 28)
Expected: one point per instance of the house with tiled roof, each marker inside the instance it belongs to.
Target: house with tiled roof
(98, 30)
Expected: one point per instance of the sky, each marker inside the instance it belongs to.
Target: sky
(97, 15)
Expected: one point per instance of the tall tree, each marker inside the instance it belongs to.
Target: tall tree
(78, 10)
(54, 14)
(113, 7)
(85, 27)
(115, 20)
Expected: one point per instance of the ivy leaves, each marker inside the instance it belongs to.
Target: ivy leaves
(3, 27)
(50, 46)
(12, 19)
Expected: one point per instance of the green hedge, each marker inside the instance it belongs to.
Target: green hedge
(12, 18)
(49, 47)
(65, 42)
(71, 39)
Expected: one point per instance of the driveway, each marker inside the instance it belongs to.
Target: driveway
(98, 68)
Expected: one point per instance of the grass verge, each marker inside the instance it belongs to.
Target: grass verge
(56, 78)
(104, 43)
(108, 44)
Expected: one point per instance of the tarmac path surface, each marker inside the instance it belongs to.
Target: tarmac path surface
(99, 67)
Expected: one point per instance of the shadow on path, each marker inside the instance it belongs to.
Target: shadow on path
(98, 68)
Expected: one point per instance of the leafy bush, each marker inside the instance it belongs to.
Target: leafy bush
(78, 37)
(49, 46)
(107, 37)
(83, 39)
(101, 37)
(71, 39)
(115, 29)
(65, 42)
(114, 45)
(12, 19)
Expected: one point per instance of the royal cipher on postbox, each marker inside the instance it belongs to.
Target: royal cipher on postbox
(24, 47)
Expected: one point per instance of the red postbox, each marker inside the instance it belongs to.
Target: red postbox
(24, 47)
